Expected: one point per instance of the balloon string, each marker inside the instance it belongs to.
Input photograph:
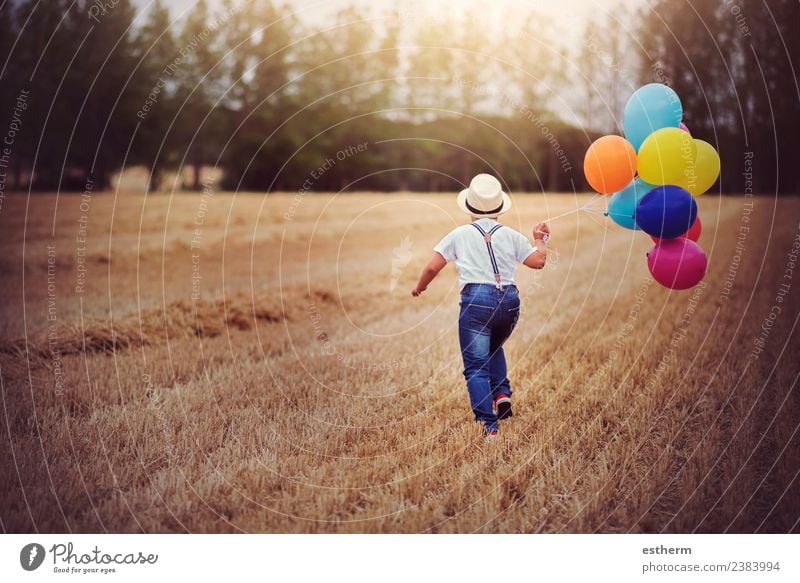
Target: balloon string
(593, 217)
(584, 207)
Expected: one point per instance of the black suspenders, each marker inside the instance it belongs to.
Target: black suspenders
(488, 238)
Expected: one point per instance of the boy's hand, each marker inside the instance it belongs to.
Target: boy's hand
(435, 265)
(541, 232)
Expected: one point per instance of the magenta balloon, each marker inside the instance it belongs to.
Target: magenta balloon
(684, 128)
(677, 263)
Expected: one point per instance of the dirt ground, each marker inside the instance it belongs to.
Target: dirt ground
(221, 363)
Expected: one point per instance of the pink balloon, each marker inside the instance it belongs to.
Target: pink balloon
(684, 128)
(677, 263)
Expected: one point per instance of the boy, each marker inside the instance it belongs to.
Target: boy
(486, 254)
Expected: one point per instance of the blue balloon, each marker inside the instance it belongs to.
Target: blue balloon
(666, 212)
(622, 206)
(650, 108)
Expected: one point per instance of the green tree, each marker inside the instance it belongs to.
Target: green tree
(9, 75)
(591, 91)
(198, 88)
(732, 65)
(258, 71)
(99, 94)
(41, 60)
(156, 52)
(767, 84)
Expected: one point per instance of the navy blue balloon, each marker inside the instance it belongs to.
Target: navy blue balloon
(666, 212)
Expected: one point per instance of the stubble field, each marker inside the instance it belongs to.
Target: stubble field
(228, 363)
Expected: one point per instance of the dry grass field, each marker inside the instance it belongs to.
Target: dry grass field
(248, 363)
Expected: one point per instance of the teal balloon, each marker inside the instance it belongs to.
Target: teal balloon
(650, 108)
(622, 206)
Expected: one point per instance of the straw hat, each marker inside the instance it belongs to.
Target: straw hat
(484, 197)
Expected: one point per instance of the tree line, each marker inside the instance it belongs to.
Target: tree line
(395, 100)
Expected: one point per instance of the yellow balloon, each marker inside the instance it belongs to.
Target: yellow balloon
(667, 156)
(705, 169)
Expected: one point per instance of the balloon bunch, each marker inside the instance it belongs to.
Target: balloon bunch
(653, 175)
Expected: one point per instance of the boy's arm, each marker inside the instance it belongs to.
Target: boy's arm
(537, 259)
(435, 265)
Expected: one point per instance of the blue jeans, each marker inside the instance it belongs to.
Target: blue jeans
(488, 316)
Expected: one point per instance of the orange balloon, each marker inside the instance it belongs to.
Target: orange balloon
(610, 164)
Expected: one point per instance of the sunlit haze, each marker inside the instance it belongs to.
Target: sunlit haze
(568, 17)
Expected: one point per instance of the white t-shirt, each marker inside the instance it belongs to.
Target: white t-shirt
(465, 245)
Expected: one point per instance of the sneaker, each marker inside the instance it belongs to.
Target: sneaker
(491, 435)
(502, 406)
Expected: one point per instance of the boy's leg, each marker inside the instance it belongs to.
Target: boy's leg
(503, 326)
(498, 374)
(475, 342)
